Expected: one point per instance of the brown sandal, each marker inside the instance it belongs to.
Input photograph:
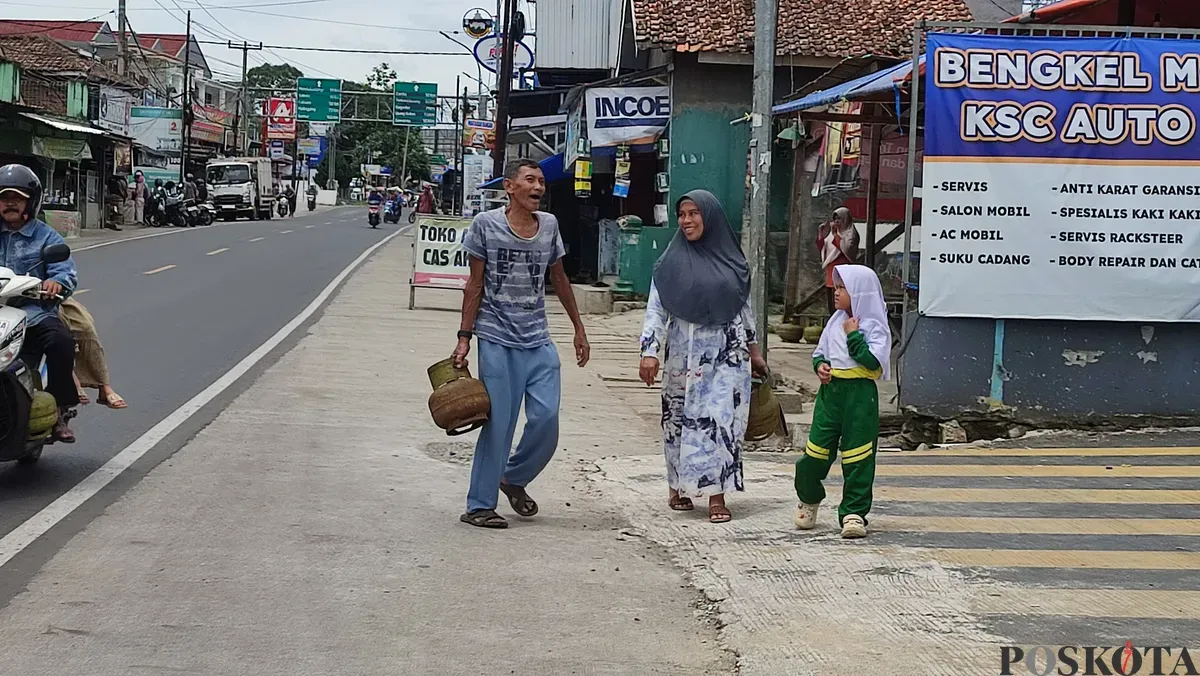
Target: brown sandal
(680, 503)
(484, 518)
(719, 514)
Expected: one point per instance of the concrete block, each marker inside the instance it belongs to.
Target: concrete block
(593, 300)
(951, 433)
(622, 306)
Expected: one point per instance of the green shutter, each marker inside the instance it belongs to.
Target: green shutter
(10, 82)
(77, 99)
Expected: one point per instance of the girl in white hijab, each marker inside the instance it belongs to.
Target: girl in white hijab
(855, 351)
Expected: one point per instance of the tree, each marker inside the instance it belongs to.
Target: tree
(281, 77)
(382, 77)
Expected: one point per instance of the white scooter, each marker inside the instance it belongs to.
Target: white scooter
(29, 412)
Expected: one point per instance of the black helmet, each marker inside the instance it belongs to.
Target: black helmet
(158, 183)
(22, 180)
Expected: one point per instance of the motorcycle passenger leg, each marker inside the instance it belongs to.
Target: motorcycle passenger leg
(52, 338)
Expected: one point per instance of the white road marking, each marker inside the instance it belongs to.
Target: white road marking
(214, 253)
(258, 239)
(309, 226)
(155, 271)
(169, 231)
(284, 232)
(28, 532)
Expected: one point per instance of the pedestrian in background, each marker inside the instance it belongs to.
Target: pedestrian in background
(504, 303)
(141, 194)
(837, 240)
(700, 327)
(855, 350)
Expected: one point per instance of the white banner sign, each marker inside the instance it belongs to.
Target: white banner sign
(439, 259)
(159, 129)
(475, 173)
(114, 109)
(627, 115)
(1060, 241)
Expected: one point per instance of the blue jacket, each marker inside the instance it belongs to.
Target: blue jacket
(21, 252)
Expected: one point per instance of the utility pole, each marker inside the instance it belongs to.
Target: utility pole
(243, 116)
(404, 161)
(460, 154)
(331, 182)
(504, 87)
(122, 45)
(187, 100)
(760, 160)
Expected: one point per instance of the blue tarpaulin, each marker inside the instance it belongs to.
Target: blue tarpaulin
(552, 169)
(884, 80)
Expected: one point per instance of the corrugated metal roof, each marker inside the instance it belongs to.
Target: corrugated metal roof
(578, 34)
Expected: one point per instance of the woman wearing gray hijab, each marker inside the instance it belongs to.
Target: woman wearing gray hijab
(700, 328)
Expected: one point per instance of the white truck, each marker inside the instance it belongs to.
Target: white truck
(240, 186)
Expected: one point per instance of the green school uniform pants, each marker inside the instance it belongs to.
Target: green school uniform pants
(846, 417)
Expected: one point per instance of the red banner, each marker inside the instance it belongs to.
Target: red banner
(281, 119)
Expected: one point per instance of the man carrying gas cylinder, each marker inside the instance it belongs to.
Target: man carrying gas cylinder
(21, 242)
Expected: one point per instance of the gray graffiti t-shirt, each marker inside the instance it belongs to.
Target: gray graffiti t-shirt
(513, 310)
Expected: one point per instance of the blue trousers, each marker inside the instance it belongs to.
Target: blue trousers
(511, 375)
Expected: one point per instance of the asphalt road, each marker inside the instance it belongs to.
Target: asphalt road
(175, 313)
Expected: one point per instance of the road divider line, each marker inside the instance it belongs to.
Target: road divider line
(155, 271)
(36, 526)
(258, 239)
(171, 231)
(284, 232)
(309, 226)
(214, 253)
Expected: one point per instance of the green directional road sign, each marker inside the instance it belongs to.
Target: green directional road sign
(318, 100)
(414, 104)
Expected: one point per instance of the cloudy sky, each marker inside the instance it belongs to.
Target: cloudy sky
(389, 25)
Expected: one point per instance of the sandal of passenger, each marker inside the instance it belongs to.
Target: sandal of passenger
(520, 501)
(719, 514)
(484, 518)
(680, 503)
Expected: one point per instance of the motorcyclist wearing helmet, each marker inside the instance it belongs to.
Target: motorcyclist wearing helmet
(190, 192)
(21, 242)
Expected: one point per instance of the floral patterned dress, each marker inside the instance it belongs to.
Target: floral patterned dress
(705, 397)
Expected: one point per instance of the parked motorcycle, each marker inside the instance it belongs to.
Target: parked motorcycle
(391, 211)
(191, 213)
(373, 214)
(29, 412)
(207, 213)
(174, 208)
(156, 210)
(281, 205)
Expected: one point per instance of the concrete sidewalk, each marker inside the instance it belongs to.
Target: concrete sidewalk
(312, 528)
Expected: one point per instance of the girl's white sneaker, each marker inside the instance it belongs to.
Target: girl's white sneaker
(806, 516)
(853, 527)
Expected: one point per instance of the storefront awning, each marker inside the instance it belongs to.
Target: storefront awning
(552, 169)
(64, 125)
(885, 80)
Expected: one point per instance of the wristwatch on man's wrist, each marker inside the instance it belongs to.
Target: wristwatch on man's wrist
(466, 334)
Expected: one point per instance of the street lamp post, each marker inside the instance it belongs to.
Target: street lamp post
(479, 70)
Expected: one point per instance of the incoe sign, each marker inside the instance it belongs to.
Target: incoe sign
(627, 115)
